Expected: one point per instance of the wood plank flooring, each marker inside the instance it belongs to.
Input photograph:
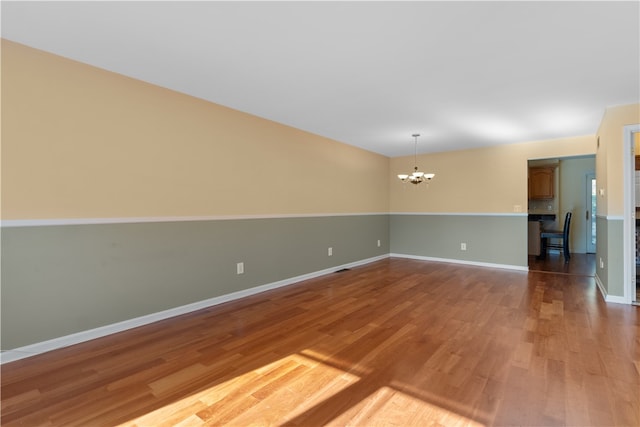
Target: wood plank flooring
(395, 342)
(580, 264)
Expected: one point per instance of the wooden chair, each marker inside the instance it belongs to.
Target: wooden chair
(562, 235)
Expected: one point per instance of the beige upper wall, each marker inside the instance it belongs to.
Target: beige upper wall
(81, 142)
(610, 160)
(482, 180)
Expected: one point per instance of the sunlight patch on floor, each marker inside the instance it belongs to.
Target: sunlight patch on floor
(307, 382)
(292, 388)
(390, 407)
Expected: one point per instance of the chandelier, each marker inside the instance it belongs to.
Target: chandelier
(416, 176)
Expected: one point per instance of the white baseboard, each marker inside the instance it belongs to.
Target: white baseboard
(68, 340)
(601, 287)
(459, 261)
(609, 298)
(616, 300)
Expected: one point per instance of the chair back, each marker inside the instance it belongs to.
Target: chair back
(567, 223)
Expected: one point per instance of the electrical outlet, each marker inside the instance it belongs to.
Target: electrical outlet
(378, 243)
(517, 208)
(463, 246)
(240, 268)
(601, 263)
(330, 252)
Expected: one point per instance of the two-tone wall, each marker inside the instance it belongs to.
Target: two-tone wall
(121, 199)
(611, 198)
(478, 197)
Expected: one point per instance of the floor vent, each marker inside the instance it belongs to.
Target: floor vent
(343, 270)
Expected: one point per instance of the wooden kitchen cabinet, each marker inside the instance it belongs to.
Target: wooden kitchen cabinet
(541, 182)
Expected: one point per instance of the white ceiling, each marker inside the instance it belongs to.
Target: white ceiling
(369, 74)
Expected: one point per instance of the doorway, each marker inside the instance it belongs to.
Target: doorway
(574, 191)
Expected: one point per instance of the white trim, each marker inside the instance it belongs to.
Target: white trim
(609, 298)
(601, 287)
(616, 300)
(459, 261)
(9, 223)
(461, 213)
(590, 247)
(68, 340)
(134, 220)
(629, 225)
(611, 217)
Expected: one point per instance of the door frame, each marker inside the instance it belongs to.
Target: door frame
(629, 217)
(592, 215)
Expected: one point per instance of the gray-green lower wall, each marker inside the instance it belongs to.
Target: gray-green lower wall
(610, 249)
(61, 280)
(493, 239)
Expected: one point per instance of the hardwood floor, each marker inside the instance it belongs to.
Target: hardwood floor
(580, 264)
(395, 342)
